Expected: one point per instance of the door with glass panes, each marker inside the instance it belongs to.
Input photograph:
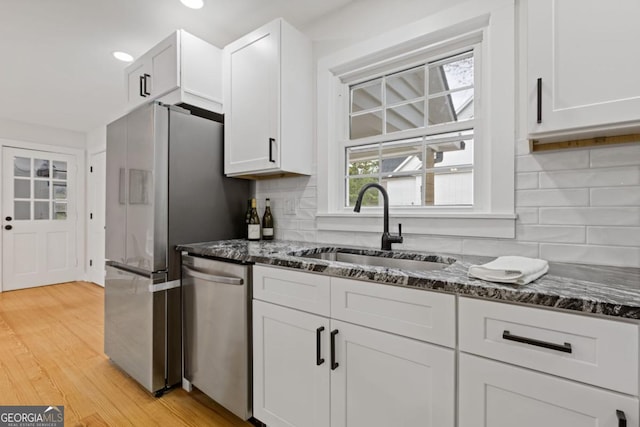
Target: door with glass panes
(38, 218)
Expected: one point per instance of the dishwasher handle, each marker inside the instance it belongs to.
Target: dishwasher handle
(227, 280)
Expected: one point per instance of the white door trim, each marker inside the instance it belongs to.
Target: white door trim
(81, 206)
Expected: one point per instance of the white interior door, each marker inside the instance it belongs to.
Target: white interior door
(96, 235)
(39, 218)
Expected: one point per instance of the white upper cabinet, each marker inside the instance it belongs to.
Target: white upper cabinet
(267, 81)
(582, 66)
(180, 69)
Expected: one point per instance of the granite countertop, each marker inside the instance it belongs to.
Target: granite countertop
(611, 291)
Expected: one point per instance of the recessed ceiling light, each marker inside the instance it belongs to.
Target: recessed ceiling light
(123, 56)
(193, 4)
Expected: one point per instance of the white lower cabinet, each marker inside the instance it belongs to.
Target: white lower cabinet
(384, 380)
(495, 394)
(289, 388)
(309, 370)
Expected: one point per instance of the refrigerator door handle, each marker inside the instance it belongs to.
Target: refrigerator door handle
(130, 269)
(227, 280)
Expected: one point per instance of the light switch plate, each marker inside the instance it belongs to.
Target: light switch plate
(290, 206)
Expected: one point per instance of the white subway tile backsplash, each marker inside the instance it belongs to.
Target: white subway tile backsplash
(526, 180)
(550, 233)
(307, 225)
(527, 215)
(557, 160)
(591, 254)
(555, 197)
(590, 216)
(308, 203)
(615, 196)
(522, 147)
(591, 178)
(615, 156)
(442, 245)
(618, 236)
(498, 247)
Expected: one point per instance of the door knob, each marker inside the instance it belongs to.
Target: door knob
(8, 218)
(8, 227)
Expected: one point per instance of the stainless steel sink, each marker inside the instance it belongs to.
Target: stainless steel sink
(379, 261)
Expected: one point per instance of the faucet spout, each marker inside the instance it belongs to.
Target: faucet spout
(387, 239)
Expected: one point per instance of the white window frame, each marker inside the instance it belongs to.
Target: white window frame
(490, 23)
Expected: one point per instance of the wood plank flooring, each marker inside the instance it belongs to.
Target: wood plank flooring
(51, 353)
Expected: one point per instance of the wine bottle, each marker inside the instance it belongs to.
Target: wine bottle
(267, 222)
(253, 228)
(247, 216)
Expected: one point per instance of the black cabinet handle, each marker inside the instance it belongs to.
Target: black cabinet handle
(8, 227)
(540, 100)
(319, 360)
(334, 364)
(145, 84)
(622, 418)
(271, 141)
(8, 218)
(565, 348)
(141, 83)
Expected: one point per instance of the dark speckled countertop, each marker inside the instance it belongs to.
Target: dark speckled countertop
(610, 291)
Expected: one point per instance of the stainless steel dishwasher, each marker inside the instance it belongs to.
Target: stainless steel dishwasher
(216, 301)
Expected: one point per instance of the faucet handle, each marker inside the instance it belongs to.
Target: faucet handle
(399, 229)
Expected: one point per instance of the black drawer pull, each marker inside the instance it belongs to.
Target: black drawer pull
(334, 364)
(146, 76)
(319, 360)
(539, 100)
(622, 418)
(565, 348)
(141, 84)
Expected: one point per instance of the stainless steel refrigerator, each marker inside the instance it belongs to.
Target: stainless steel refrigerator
(165, 186)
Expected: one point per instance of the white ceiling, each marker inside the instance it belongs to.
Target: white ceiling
(56, 67)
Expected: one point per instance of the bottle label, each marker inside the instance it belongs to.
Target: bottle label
(267, 232)
(254, 232)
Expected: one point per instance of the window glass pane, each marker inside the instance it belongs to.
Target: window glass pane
(452, 107)
(22, 188)
(363, 160)
(40, 210)
(449, 187)
(407, 116)
(403, 190)
(40, 189)
(22, 210)
(366, 96)
(364, 125)
(371, 197)
(59, 190)
(450, 75)
(59, 211)
(405, 86)
(59, 170)
(41, 167)
(401, 156)
(453, 153)
(21, 166)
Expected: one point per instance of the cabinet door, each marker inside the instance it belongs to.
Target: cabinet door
(290, 388)
(251, 101)
(584, 52)
(494, 394)
(386, 380)
(164, 61)
(135, 82)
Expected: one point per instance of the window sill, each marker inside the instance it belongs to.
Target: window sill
(463, 224)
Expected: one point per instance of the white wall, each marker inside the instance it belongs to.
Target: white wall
(19, 131)
(580, 206)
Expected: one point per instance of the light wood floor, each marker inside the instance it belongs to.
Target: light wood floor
(51, 353)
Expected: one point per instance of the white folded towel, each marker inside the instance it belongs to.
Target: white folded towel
(510, 269)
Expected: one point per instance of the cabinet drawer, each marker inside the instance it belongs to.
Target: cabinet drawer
(302, 291)
(414, 313)
(591, 350)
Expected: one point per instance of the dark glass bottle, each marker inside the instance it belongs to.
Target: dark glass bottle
(247, 217)
(267, 222)
(253, 227)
